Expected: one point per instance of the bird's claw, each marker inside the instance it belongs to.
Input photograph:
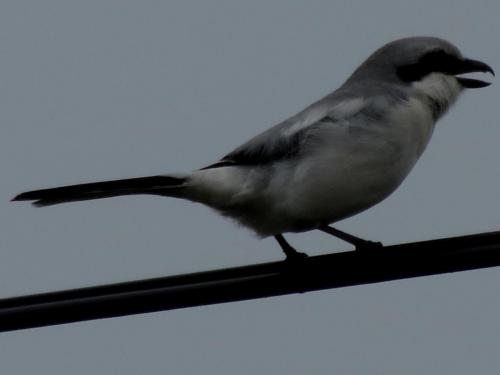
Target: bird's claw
(295, 256)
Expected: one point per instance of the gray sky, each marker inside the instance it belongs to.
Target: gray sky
(93, 90)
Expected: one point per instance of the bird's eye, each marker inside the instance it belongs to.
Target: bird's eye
(434, 61)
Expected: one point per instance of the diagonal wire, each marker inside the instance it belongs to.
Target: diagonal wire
(250, 282)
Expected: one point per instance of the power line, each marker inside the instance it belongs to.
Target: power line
(250, 282)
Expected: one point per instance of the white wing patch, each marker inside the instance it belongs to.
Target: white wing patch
(339, 111)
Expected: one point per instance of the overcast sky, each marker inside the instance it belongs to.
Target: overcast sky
(93, 90)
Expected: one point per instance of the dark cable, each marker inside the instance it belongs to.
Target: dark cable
(249, 282)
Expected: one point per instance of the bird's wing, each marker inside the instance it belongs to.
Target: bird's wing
(284, 140)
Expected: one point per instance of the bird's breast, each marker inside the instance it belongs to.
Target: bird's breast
(358, 166)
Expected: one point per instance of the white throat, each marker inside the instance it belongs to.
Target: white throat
(440, 91)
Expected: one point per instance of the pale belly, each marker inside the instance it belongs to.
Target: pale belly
(334, 185)
(327, 193)
(318, 194)
(342, 176)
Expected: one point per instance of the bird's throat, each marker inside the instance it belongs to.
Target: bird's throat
(439, 91)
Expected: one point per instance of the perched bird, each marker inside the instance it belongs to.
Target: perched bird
(336, 158)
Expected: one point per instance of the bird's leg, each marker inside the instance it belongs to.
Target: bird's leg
(359, 243)
(290, 252)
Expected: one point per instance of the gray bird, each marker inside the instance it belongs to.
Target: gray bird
(336, 158)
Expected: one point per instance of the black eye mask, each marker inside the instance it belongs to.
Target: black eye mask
(442, 62)
(436, 61)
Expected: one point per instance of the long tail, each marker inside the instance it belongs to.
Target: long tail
(161, 185)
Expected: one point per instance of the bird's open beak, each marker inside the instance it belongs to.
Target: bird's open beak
(472, 66)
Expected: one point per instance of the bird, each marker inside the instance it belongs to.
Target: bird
(336, 158)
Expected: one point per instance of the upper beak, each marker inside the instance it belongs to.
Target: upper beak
(472, 66)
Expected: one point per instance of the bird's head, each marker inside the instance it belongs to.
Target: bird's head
(426, 66)
(412, 60)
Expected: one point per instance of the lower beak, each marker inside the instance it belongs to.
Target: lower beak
(473, 66)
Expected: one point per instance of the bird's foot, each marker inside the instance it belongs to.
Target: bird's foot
(291, 254)
(295, 256)
(359, 243)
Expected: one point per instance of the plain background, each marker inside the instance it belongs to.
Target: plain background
(93, 90)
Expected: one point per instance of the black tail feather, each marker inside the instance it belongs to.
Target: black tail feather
(96, 190)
